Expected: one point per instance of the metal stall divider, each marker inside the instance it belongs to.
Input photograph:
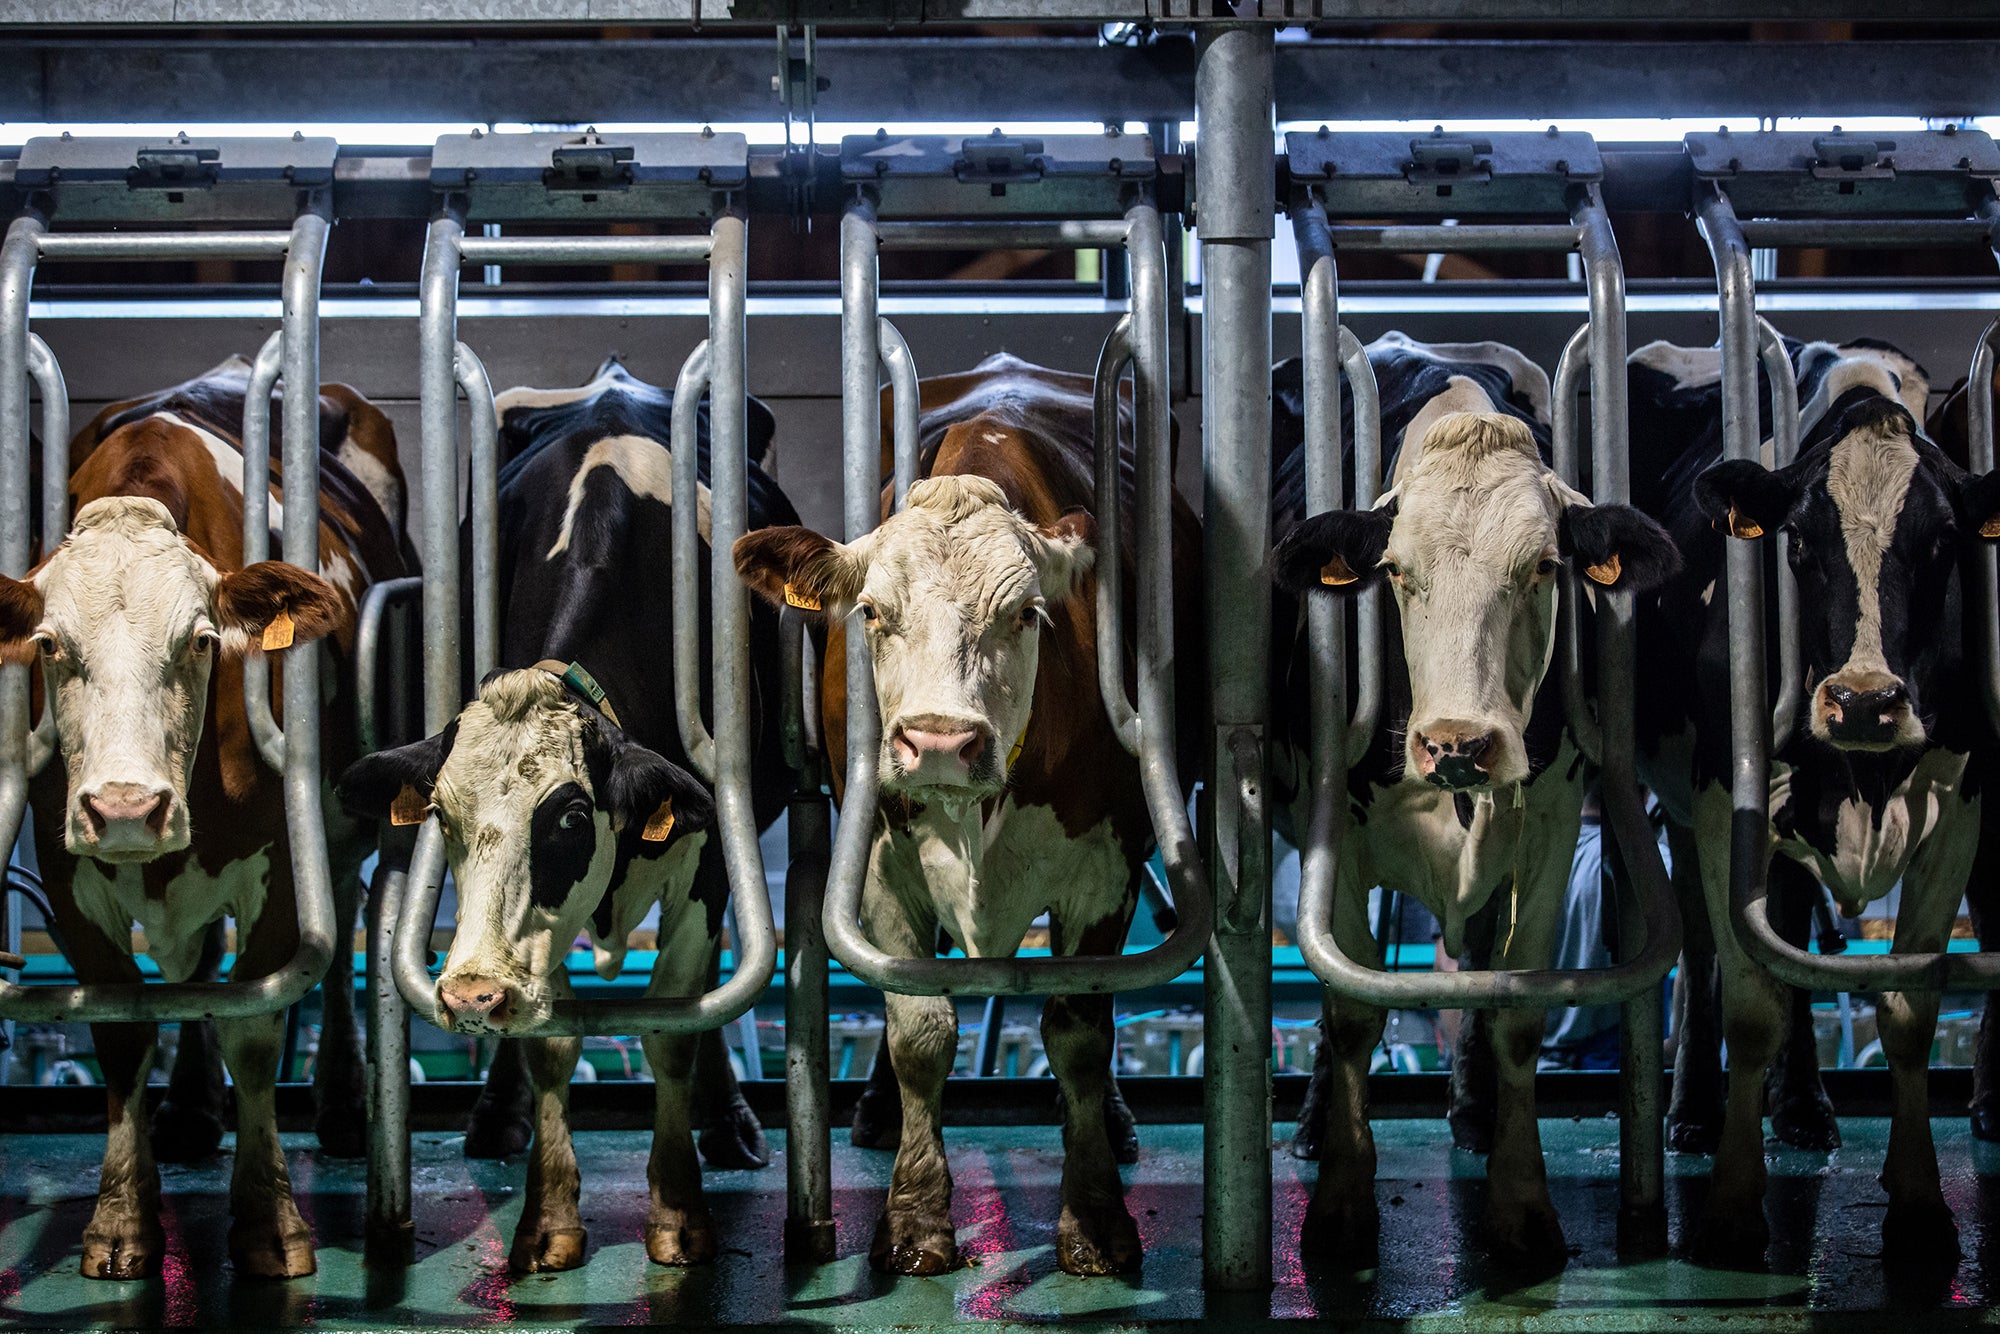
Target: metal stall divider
(1057, 193)
(563, 177)
(1922, 189)
(1485, 176)
(285, 185)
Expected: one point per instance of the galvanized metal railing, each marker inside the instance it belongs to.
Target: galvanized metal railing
(1650, 933)
(301, 248)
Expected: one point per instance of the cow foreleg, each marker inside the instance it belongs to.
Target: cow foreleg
(1521, 1222)
(123, 1240)
(731, 1135)
(1801, 1113)
(1343, 1224)
(1694, 1118)
(679, 1230)
(188, 1128)
(915, 1235)
(550, 1235)
(340, 1117)
(503, 1119)
(1096, 1234)
(1982, 896)
(267, 1237)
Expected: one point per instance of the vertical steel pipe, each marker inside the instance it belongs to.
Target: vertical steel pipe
(264, 373)
(906, 400)
(48, 377)
(1112, 361)
(437, 370)
(389, 1235)
(860, 360)
(483, 487)
(1235, 191)
(808, 1059)
(18, 254)
(686, 543)
(1777, 365)
(1570, 370)
(1985, 591)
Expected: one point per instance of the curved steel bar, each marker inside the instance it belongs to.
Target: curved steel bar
(264, 374)
(905, 399)
(484, 488)
(1154, 520)
(1777, 365)
(1570, 371)
(142, 1002)
(684, 513)
(48, 377)
(1985, 560)
(18, 255)
(1112, 360)
(368, 637)
(1369, 623)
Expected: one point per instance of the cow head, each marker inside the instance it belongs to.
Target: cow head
(127, 617)
(539, 798)
(1877, 519)
(953, 592)
(1471, 539)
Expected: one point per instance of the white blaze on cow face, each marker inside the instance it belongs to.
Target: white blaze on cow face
(1472, 556)
(531, 849)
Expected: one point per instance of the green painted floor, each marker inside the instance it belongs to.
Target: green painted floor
(1823, 1270)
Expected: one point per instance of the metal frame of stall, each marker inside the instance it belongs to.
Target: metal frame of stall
(1058, 193)
(1477, 178)
(563, 177)
(284, 185)
(1799, 188)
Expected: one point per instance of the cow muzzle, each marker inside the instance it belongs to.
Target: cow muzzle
(1454, 755)
(480, 1005)
(934, 751)
(1869, 711)
(126, 822)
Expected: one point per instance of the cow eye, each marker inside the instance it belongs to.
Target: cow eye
(1030, 615)
(50, 646)
(1393, 570)
(204, 642)
(871, 614)
(573, 819)
(1546, 567)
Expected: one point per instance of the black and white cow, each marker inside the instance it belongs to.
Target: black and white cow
(1472, 787)
(1874, 786)
(553, 795)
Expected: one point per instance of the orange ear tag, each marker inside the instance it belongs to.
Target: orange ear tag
(1991, 528)
(1742, 527)
(1608, 572)
(1335, 573)
(661, 824)
(409, 807)
(793, 598)
(278, 634)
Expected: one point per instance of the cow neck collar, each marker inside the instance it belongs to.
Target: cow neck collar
(580, 682)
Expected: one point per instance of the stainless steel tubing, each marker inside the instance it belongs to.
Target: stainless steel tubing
(1235, 185)
(686, 472)
(860, 362)
(158, 245)
(1368, 621)
(585, 249)
(389, 1233)
(1112, 360)
(48, 377)
(484, 488)
(1985, 591)
(809, 1237)
(1005, 235)
(1570, 370)
(368, 647)
(1784, 448)
(437, 316)
(1429, 239)
(139, 1002)
(905, 400)
(264, 372)
(1862, 233)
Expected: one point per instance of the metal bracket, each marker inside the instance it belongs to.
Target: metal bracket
(590, 177)
(1376, 175)
(1081, 176)
(1786, 173)
(798, 84)
(180, 179)
(998, 157)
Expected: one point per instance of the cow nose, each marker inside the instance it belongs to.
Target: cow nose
(478, 1004)
(1865, 715)
(1455, 759)
(938, 752)
(126, 808)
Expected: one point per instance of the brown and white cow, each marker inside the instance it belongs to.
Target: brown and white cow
(1471, 793)
(158, 810)
(1005, 792)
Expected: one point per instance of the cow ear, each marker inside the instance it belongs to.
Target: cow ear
(1743, 498)
(277, 605)
(1619, 547)
(797, 567)
(659, 797)
(1336, 552)
(388, 784)
(20, 617)
(1979, 504)
(1065, 553)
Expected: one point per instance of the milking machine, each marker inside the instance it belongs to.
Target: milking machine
(1477, 179)
(1829, 190)
(981, 192)
(277, 192)
(577, 178)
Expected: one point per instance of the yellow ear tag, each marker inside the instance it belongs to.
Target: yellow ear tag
(278, 634)
(1608, 572)
(793, 598)
(1742, 527)
(1335, 573)
(661, 824)
(409, 807)
(1991, 528)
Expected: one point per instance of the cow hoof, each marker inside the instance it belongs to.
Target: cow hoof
(735, 1140)
(497, 1132)
(878, 1121)
(1692, 1134)
(1920, 1234)
(1344, 1238)
(1306, 1142)
(1806, 1121)
(548, 1251)
(1097, 1241)
(915, 1244)
(1471, 1129)
(680, 1237)
(272, 1250)
(183, 1134)
(1733, 1238)
(1527, 1239)
(130, 1256)
(1986, 1123)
